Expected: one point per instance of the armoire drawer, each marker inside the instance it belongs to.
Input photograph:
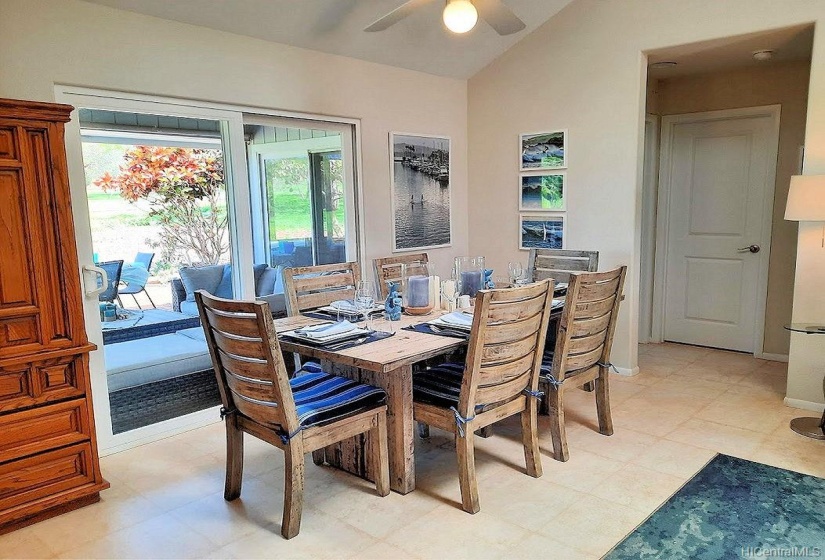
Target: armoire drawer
(41, 429)
(28, 385)
(46, 474)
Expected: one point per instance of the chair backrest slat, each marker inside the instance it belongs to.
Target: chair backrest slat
(113, 271)
(247, 359)
(506, 344)
(388, 269)
(310, 287)
(588, 321)
(559, 263)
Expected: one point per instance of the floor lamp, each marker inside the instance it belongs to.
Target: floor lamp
(806, 203)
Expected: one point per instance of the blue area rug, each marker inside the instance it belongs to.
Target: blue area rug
(735, 508)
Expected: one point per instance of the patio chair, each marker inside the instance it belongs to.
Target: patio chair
(498, 379)
(298, 416)
(136, 286)
(388, 269)
(559, 263)
(113, 270)
(582, 353)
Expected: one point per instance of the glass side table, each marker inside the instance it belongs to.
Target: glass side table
(809, 426)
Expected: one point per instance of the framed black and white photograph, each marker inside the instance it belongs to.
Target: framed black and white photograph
(545, 192)
(543, 150)
(420, 191)
(541, 231)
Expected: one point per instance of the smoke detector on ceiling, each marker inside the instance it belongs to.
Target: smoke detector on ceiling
(763, 55)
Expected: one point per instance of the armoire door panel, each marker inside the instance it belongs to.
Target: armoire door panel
(8, 143)
(15, 277)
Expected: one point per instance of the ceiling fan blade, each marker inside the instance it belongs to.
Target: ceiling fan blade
(396, 15)
(499, 16)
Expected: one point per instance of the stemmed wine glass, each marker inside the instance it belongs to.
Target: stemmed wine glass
(516, 272)
(365, 299)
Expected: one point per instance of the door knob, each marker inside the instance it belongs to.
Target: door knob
(749, 249)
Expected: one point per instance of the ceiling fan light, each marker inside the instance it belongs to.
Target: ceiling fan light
(460, 16)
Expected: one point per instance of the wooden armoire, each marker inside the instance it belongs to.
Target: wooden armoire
(48, 449)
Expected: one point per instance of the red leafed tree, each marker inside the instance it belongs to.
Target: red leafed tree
(184, 188)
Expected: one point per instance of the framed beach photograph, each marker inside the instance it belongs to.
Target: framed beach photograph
(542, 231)
(544, 192)
(543, 150)
(420, 172)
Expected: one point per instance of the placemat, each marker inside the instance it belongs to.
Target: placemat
(426, 329)
(344, 345)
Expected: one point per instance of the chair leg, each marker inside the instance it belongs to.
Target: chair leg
(380, 455)
(120, 303)
(145, 291)
(423, 430)
(603, 402)
(544, 403)
(319, 457)
(234, 459)
(293, 487)
(467, 479)
(134, 297)
(530, 438)
(557, 430)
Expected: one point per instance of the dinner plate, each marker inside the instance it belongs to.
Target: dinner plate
(340, 337)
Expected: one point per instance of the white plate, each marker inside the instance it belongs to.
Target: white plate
(354, 333)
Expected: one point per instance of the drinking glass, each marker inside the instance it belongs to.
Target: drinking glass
(365, 299)
(516, 272)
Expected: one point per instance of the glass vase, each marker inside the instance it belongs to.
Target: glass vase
(469, 275)
(417, 293)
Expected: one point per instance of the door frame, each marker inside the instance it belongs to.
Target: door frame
(648, 239)
(662, 227)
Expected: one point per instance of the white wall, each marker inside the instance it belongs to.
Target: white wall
(584, 70)
(43, 42)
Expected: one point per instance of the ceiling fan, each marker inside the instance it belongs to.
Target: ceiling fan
(460, 16)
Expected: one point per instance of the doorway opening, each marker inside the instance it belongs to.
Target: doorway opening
(723, 135)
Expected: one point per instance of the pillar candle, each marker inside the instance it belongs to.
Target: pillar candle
(435, 286)
(470, 282)
(419, 291)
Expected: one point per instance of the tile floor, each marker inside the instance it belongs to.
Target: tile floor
(687, 403)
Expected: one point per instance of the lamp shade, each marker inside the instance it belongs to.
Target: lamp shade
(806, 199)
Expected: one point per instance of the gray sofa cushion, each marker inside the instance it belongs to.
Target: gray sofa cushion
(146, 360)
(224, 289)
(207, 278)
(277, 302)
(265, 284)
(195, 333)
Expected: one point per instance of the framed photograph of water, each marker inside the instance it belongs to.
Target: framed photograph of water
(541, 231)
(543, 192)
(543, 150)
(420, 171)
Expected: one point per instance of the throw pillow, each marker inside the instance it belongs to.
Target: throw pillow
(224, 289)
(201, 278)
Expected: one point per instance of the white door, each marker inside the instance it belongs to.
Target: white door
(719, 181)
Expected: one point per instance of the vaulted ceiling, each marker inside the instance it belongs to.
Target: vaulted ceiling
(419, 42)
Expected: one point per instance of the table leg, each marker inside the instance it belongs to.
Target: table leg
(353, 455)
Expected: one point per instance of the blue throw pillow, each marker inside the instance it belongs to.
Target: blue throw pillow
(266, 283)
(224, 289)
(201, 278)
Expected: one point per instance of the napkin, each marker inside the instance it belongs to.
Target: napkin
(458, 319)
(345, 305)
(320, 332)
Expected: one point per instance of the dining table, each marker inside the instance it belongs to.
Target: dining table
(388, 364)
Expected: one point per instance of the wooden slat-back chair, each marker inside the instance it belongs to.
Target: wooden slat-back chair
(498, 379)
(388, 269)
(259, 399)
(310, 287)
(582, 353)
(559, 263)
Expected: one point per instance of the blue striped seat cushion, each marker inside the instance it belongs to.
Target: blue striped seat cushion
(321, 397)
(546, 363)
(439, 385)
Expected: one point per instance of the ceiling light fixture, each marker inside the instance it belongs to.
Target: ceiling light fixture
(663, 64)
(763, 55)
(460, 16)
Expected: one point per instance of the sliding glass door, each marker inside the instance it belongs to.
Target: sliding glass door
(170, 197)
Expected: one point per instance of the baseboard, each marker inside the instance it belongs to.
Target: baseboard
(772, 357)
(805, 405)
(627, 372)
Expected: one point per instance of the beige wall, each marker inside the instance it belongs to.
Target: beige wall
(778, 84)
(43, 42)
(584, 70)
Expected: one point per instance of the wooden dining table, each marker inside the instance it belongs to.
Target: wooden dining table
(386, 363)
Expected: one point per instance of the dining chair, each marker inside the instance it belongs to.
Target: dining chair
(582, 352)
(311, 287)
(113, 270)
(388, 269)
(498, 379)
(559, 263)
(144, 260)
(297, 415)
